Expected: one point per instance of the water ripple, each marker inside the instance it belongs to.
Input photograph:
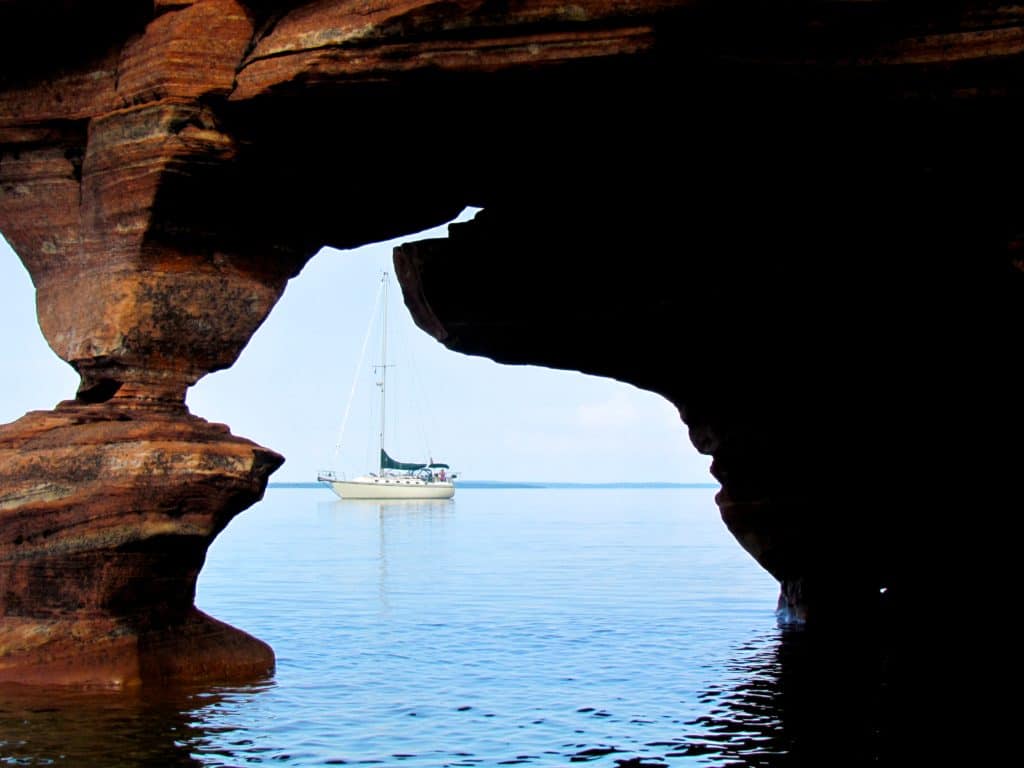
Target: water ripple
(515, 627)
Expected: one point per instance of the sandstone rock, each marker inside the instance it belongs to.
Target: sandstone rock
(733, 204)
(106, 512)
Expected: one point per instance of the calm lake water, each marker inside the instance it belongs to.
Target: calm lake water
(539, 627)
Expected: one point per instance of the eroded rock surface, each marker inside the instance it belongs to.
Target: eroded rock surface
(107, 511)
(753, 210)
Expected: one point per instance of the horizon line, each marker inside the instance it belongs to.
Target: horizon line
(532, 484)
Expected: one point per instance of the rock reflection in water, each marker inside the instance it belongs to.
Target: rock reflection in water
(116, 728)
(787, 698)
(799, 698)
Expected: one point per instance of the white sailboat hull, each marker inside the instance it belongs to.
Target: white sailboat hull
(391, 488)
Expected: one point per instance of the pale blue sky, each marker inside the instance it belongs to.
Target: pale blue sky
(289, 389)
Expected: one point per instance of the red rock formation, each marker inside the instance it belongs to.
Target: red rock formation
(725, 202)
(107, 511)
(110, 503)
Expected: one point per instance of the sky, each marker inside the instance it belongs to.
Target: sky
(291, 385)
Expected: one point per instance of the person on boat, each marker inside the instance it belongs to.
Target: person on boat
(441, 475)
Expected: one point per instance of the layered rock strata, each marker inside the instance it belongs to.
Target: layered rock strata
(107, 512)
(754, 211)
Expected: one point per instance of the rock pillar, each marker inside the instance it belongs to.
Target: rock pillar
(109, 502)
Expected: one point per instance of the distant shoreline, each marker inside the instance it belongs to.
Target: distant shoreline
(521, 484)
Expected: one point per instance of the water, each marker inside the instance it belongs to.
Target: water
(536, 627)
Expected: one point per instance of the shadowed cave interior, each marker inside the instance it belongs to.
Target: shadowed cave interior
(763, 215)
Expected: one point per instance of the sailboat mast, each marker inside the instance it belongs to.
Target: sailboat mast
(383, 364)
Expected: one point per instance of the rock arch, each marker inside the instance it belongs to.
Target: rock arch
(801, 185)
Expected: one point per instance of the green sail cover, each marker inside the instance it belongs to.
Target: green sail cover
(386, 462)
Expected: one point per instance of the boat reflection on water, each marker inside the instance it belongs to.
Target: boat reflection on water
(430, 508)
(423, 508)
(396, 524)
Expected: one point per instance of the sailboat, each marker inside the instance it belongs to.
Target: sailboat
(393, 479)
